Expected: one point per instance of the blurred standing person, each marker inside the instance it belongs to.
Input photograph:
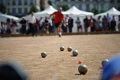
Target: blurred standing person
(31, 22)
(113, 24)
(23, 23)
(41, 24)
(119, 23)
(108, 22)
(79, 26)
(2, 28)
(65, 24)
(13, 26)
(46, 25)
(99, 24)
(86, 24)
(92, 24)
(51, 27)
(70, 24)
(8, 23)
(105, 23)
(58, 18)
(37, 25)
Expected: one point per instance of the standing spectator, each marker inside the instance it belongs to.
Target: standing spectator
(8, 23)
(99, 24)
(119, 23)
(51, 27)
(13, 26)
(58, 18)
(23, 24)
(40, 24)
(70, 24)
(113, 24)
(31, 22)
(37, 26)
(2, 28)
(46, 25)
(108, 22)
(105, 23)
(86, 24)
(79, 26)
(92, 24)
(65, 24)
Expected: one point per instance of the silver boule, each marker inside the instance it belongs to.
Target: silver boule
(82, 69)
(43, 54)
(69, 49)
(75, 53)
(62, 48)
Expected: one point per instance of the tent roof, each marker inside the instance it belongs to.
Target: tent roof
(4, 17)
(76, 11)
(44, 13)
(49, 10)
(112, 11)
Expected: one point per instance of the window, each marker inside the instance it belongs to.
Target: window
(8, 10)
(13, 10)
(80, 6)
(25, 2)
(8, 2)
(1, 1)
(19, 10)
(112, 1)
(66, 0)
(19, 2)
(80, 0)
(88, 7)
(25, 10)
(31, 2)
(13, 2)
(118, 1)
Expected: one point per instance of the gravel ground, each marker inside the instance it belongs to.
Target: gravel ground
(60, 65)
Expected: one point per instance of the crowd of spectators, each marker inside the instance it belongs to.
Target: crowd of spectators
(45, 25)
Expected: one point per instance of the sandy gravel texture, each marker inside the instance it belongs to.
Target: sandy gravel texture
(60, 65)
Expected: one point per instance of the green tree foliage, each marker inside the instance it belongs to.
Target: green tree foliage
(95, 11)
(64, 7)
(2, 8)
(33, 9)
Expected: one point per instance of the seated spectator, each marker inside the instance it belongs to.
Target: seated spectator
(111, 71)
(11, 71)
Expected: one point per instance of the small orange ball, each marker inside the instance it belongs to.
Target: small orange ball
(79, 62)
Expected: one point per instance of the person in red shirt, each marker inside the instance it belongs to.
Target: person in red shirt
(58, 18)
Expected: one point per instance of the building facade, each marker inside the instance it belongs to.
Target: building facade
(89, 5)
(22, 7)
(19, 7)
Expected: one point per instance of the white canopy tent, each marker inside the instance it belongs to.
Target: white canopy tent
(4, 17)
(76, 11)
(111, 12)
(46, 12)
(72, 12)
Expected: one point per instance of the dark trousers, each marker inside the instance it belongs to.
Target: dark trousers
(93, 29)
(32, 29)
(70, 29)
(23, 29)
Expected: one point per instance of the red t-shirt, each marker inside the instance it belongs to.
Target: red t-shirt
(58, 17)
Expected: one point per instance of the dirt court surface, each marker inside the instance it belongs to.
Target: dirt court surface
(60, 65)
